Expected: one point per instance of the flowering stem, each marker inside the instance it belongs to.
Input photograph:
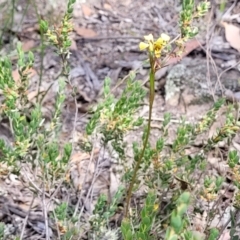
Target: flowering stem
(139, 161)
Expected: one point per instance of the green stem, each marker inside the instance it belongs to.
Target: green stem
(12, 14)
(137, 166)
(42, 53)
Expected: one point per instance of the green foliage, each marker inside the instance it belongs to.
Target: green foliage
(233, 232)
(63, 213)
(34, 142)
(222, 5)
(177, 222)
(114, 117)
(188, 14)
(103, 212)
(126, 229)
(2, 227)
(31, 136)
(214, 233)
(147, 215)
(59, 36)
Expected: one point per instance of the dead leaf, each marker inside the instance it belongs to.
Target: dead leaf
(221, 119)
(16, 76)
(81, 169)
(107, 6)
(33, 94)
(225, 235)
(85, 32)
(79, 156)
(33, 28)
(114, 184)
(27, 45)
(87, 11)
(174, 100)
(187, 96)
(232, 34)
(189, 47)
(126, 2)
(73, 44)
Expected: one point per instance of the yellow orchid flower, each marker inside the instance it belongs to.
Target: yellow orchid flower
(154, 46)
(150, 41)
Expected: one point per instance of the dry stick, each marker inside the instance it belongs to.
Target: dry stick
(214, 64)
(91, 158)
(98, 173)
(215, 69)
(33, 184)
(208, 72)
(56, 220)
(73, 134)
(84, 181)
(122, 81)
(227, 13)
(89, 191)
(220, 75)
(229, 68)
(218, 202)
(26, 218)
(162, 119)
(207, 51)
(51, 197)
(107, 38)
(91, 188)
(214, 207)
(236, 212)
(45, 209)
(75, 119)
(209, 56)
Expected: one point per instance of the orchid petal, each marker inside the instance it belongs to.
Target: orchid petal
(165, 37)
(149, 38)
(143, 45)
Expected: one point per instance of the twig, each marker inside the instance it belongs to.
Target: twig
(89, 192)
(56, 220)
(45, 93)
(84, 181)
(26, 218)
(208, 55)
(226, 224)
(162, 119)
(107, 38)
(45, 210)
(227, 13)
(122, 81)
